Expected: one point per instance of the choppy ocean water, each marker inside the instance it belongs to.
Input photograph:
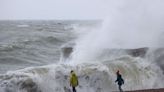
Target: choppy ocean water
(32, 43)
(37, 56)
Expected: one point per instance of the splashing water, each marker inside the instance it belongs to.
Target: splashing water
(98, 54)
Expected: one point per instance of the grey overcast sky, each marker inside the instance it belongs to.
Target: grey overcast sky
(52, 9)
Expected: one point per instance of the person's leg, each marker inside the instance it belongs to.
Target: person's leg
(120, 88)
(74, 90)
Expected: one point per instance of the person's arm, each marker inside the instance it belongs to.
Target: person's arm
(123, 81)
(70, 80)
(77, 82)
(116, 80)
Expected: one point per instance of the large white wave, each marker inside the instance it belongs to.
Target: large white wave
(93, 77)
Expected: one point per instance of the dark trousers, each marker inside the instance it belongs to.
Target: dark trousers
(119, 87)
(73, 89)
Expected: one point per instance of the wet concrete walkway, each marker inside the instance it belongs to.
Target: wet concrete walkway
(148, 90)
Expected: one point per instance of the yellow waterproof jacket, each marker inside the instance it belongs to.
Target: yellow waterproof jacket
(73, 80)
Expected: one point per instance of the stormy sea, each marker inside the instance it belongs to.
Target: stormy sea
(37, 56)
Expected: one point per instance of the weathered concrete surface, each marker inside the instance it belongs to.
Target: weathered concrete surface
(148, 90)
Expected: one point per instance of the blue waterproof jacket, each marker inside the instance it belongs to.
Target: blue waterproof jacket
(119, 79)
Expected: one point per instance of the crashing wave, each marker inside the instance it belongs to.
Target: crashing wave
(93, 77)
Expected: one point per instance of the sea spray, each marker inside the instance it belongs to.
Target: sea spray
(98, 54)
(133, 24)
(93, 77)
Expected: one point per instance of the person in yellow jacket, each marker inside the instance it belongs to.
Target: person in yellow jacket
(73, 81)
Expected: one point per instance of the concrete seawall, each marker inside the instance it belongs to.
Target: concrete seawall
(148, 90)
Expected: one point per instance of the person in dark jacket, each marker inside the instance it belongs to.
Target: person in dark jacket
(73, 81)
(120, 81)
